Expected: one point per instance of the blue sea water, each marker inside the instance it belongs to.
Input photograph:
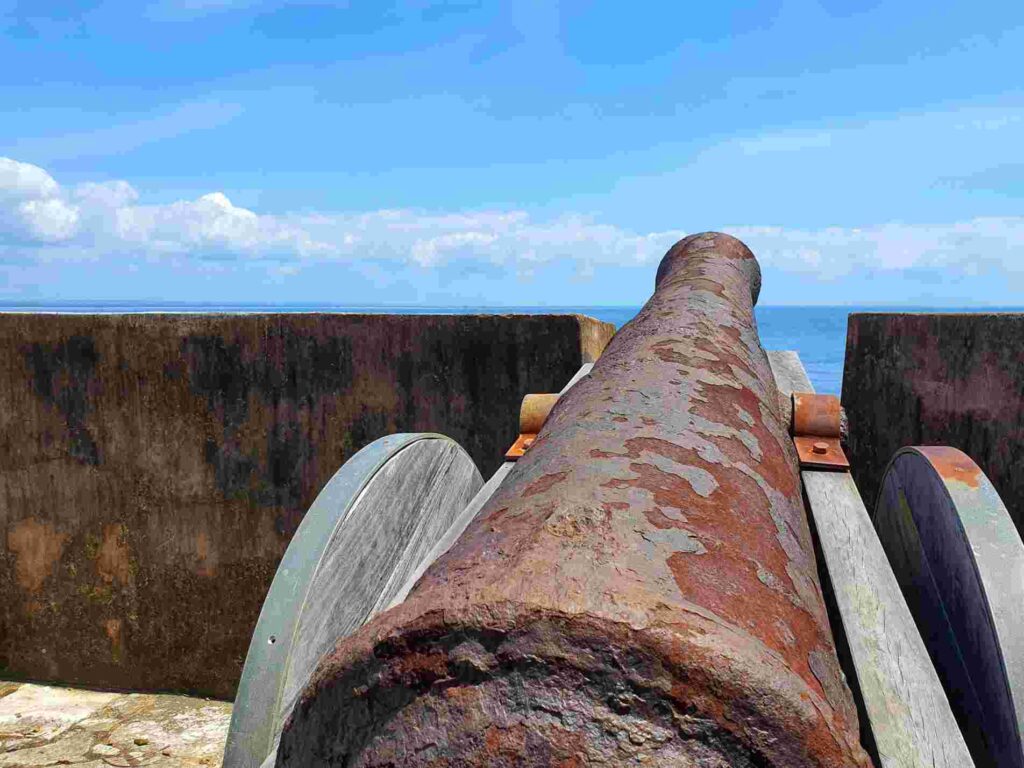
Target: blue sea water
(818, 334)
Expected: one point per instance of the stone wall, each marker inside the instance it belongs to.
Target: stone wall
(937, 379)
(154, 467)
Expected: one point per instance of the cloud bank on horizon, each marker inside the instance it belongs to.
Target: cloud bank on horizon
(43, 221)
(414, 152)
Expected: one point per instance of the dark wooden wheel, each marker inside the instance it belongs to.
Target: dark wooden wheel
(960, 563)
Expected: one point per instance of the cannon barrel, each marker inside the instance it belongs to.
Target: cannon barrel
(641, 589)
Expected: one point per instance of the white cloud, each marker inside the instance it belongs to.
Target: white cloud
(106, 194)
(49, 220)
(22, 181)
(31, 206)
(212, 226)
(37, 215)
(40, 220)
(428, 252)
(510, 238)
(959, 248)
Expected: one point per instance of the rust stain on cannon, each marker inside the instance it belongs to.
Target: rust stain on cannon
(641, 589)
(545, 483)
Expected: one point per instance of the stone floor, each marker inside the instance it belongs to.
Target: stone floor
(43, 725)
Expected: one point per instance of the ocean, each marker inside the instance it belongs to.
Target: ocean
(818, 334)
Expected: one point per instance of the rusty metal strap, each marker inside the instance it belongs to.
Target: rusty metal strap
(534, 411)
(520, 446)
(816, 429)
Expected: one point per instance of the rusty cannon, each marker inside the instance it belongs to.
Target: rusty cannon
(639, 587)
(674, 564)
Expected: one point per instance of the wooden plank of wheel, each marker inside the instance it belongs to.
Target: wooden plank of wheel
(906, 708)
(960, 562)
(370, 528)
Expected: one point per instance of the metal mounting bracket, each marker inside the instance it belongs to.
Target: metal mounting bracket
(816, 429)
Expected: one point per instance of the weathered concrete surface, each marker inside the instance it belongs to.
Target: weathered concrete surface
(154, 467)
(46, 725)
(937, 379)
(641, 589)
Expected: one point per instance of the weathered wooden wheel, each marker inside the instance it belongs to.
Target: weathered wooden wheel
(369, 529)
(960, 564)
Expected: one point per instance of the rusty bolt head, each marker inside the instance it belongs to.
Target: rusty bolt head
(820, 448)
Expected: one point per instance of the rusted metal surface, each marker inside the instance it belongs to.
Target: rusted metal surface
(817, 425)
(816, 414)
(153, 468)
(960, 564)
(641, 588)
(815, 452)
(534, 411)
(953, 464)
(519, 448)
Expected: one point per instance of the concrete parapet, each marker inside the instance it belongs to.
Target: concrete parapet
(937, 379)
(154, 467)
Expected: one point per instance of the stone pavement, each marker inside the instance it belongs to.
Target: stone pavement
(43, 725)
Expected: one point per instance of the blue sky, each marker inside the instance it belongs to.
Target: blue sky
(508, 153)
